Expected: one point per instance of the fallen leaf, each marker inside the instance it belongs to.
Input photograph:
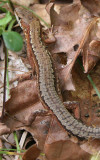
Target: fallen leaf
(32, 153)
(4, 129)
(22, 96)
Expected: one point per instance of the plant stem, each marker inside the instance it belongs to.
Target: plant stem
(17, 144)
(4, 90)
(7, 77)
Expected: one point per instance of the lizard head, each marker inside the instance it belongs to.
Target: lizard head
(23, 14)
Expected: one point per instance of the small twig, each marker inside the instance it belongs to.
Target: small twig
(4, 93)
(3, 138)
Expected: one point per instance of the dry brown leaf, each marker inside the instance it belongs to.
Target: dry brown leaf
(65, 150)
(94, 8)
(41, 11)
(91, 49)
(4, 129)
(59, 147)
(92, 146)
(22, 96)
(69, 30)
(92, 55)
(66, 83)
(32, 153)
(25, 3)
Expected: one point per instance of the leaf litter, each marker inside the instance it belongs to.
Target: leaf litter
(74, 38)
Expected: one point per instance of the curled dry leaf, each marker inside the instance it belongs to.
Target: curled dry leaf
(92, 55)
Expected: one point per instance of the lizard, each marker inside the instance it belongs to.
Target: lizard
(46, 78)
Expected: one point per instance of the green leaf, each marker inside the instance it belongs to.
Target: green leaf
(4, 1)
(2, 4)
(3, 9)
(6, 19)
(13, 41)
(1, 31)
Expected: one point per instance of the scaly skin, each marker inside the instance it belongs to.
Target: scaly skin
(46, 80)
